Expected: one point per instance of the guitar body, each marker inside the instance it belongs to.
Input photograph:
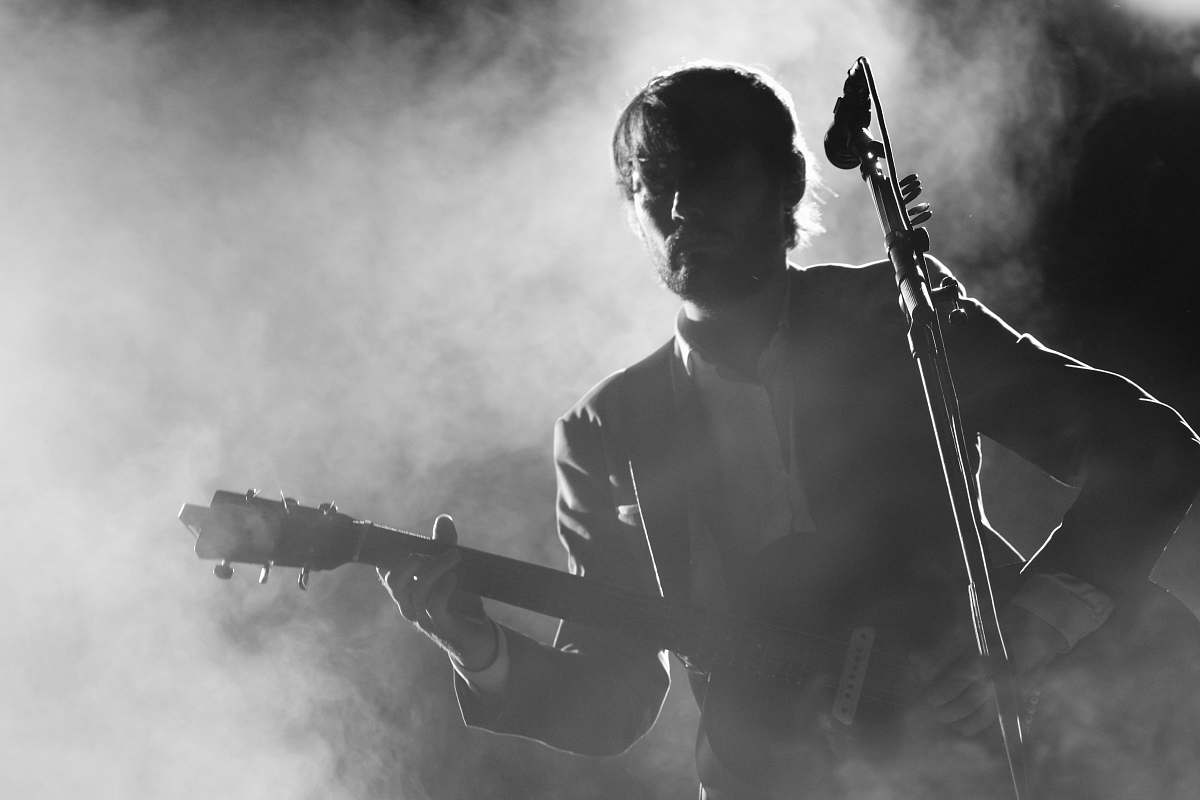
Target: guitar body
(1104, 718)
(773, 738)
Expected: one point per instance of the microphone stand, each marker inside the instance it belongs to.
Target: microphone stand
(848, 145)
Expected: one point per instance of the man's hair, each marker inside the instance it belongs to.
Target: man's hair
(706, 107)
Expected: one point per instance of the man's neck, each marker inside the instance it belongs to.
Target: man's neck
(736, 334)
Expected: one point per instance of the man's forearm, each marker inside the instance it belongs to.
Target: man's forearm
(584, 698)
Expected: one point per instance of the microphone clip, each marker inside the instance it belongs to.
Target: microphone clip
(851, 115)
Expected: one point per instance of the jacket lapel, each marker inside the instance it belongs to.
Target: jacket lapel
(669, 460)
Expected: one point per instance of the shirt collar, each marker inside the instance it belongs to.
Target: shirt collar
(687, 350)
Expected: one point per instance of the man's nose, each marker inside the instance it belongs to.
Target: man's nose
(686, 206)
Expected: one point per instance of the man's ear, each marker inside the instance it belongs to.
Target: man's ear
(792, 189)
(632, 222)
(795, 180)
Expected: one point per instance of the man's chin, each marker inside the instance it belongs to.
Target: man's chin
(705, 284)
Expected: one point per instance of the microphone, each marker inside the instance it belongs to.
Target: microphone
(851, 114)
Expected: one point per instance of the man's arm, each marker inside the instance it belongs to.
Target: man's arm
(592, 692)
(1134, 459)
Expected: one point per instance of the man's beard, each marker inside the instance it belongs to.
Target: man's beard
(708, 284)
(713, 279)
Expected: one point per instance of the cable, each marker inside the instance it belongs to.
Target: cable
(887, 142)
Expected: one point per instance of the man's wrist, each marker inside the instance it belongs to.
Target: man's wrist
(485, 664)
(490, 680)
(1071, 606)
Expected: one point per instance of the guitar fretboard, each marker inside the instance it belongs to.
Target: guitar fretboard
(699, 636)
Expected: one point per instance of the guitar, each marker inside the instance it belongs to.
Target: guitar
(248, 529)
(764, 678)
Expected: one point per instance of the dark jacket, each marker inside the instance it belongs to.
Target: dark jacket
(632, 453)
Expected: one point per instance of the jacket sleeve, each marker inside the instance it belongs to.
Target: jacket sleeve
(592, 692)
(1135, 461)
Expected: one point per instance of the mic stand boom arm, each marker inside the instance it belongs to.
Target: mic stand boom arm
(850, 145)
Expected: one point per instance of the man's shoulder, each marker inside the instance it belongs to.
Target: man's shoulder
(831, 297)
(837, 271)
(857, 289)
(608, 399)
(835, 280)
(838, 274)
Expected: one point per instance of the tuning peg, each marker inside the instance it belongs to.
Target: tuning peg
(328, 508)
(910, 188)
(222, 570)
(919, 213)
(251, 494)
(302, 579)
(264, 573)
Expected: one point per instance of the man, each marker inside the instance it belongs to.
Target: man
(786, 418)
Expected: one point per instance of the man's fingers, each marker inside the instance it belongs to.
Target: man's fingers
(973, 697)
(413, 583)
(955, 679)
(933, 662)
(1032, 643)
(425, 589)
(437, 606)
(979, 720)
(399, 585)
(444, 530)
(410, 585)
(962, 696)
(425, 580)
(958, 681)
(466, 605)
(394, 577)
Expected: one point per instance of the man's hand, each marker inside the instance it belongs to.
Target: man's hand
(425, 589)
(958, 686)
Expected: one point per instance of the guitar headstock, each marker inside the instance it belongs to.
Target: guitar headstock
(248, 529)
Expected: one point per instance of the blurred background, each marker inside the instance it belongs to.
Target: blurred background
(368, 251)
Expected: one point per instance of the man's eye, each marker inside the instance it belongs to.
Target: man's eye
(654, 175)
(655, 184)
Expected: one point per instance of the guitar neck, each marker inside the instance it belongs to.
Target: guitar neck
(710, 639)
(245, 528)
(536, 588)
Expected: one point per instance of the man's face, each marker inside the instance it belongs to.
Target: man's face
(713, 225)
